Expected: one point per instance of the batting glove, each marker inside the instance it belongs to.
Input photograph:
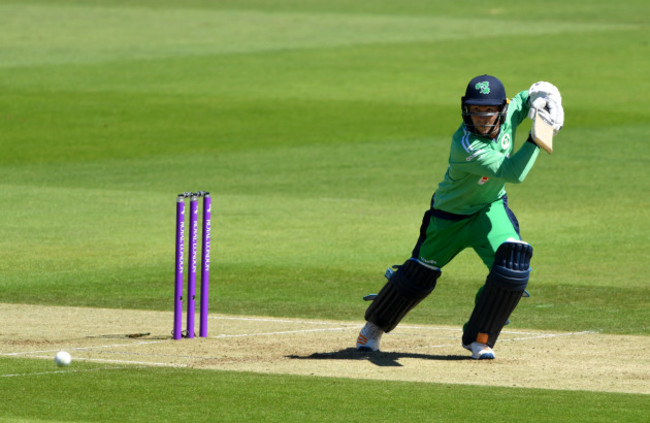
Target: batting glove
(543, 95)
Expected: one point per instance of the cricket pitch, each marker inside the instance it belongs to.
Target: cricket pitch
(419, 353)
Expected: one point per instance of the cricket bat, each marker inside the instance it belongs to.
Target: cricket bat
(543, 132)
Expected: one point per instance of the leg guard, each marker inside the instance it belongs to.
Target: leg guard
(503, 289)
(411, 283)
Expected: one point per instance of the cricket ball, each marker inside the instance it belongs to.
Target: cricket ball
(62, 358)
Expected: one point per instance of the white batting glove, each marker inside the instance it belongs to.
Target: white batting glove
(544, 89)
(557, 114)
(543, 95)
(538, 104)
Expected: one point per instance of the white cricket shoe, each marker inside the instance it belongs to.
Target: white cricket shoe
(369, 337)
(480, 351)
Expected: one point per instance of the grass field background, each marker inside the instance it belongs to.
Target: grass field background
(321, 128)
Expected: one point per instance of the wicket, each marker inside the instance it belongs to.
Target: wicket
(178, 332)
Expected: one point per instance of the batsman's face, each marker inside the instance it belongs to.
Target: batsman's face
(484, 118)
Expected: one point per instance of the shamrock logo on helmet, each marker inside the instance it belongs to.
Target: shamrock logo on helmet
(483, 87)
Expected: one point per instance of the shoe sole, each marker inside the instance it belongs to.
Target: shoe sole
(486, 356)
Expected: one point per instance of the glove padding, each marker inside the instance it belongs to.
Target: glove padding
(544, 89)
(543, 95)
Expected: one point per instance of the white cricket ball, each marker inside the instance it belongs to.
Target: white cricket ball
(62, 358)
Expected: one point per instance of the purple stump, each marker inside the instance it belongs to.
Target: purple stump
(205, 264)
(178, 288)
(191, 273)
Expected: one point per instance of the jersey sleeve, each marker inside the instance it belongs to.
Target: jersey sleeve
(518, 107)
(478, 159)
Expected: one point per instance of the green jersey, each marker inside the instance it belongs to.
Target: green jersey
(479, 167)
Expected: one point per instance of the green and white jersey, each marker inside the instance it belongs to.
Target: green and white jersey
(479, 167)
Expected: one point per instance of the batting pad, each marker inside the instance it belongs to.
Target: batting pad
(411, 283)
(504, 287)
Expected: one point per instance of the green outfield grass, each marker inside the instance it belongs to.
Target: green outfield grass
(321, 128)
(172, 395)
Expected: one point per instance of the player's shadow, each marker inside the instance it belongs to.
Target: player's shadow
(379, 358)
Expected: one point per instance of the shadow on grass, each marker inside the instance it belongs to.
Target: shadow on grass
(379, 358)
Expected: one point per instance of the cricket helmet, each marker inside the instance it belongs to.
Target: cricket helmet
(484, 90)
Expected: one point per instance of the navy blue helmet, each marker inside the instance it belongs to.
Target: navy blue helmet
(484, 90)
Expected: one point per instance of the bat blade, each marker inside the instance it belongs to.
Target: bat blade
(543, 133)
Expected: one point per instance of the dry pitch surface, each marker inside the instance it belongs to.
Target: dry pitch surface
(525, 358)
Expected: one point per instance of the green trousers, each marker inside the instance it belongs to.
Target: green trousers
(443, 236)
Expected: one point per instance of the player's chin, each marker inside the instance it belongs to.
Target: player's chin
(488, 131)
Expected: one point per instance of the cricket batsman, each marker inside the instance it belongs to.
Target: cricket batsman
(469, 209)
